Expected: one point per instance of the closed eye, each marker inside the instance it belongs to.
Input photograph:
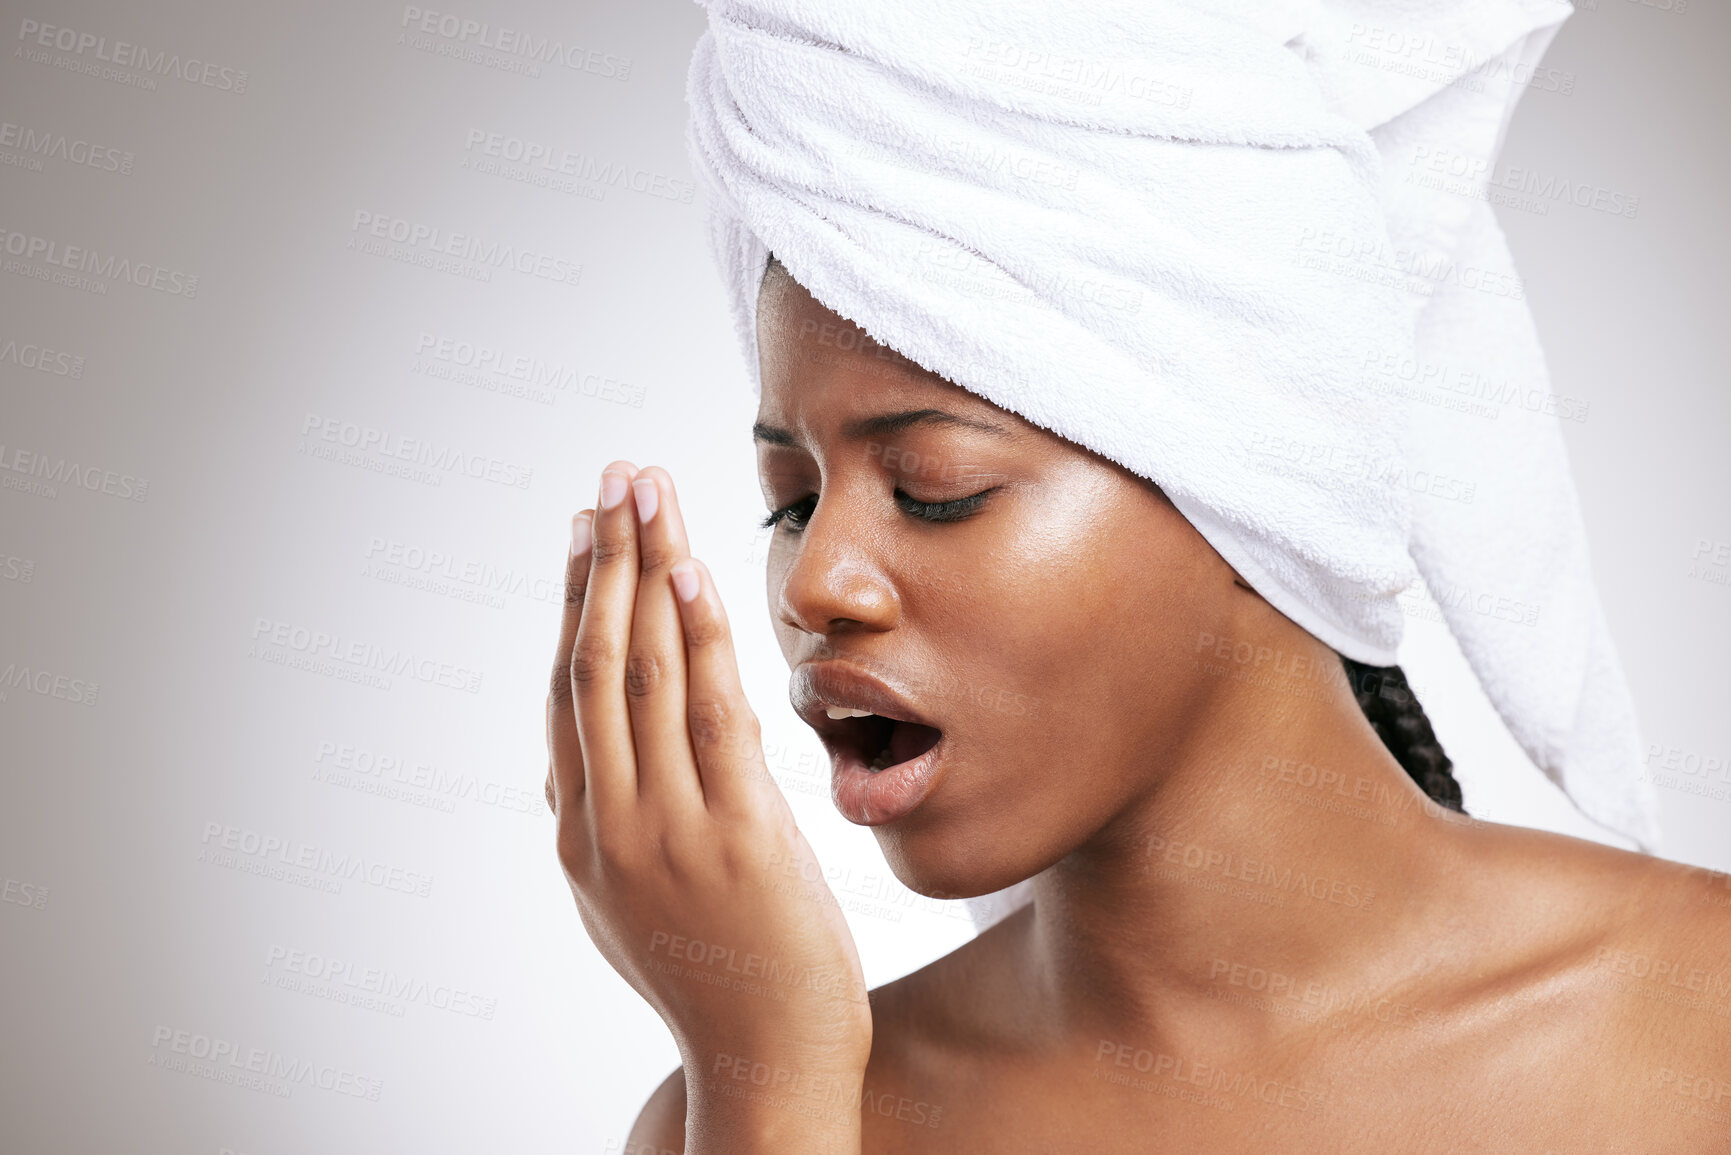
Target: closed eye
(797, 514)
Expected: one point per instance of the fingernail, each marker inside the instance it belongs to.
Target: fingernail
(647, 498)
(612, 489)
(582, 534)
(685, 581)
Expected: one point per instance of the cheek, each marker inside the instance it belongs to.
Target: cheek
(1040, 610)
(1082, 627)
(1042, 639)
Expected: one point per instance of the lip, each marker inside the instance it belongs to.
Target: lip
(863, 796)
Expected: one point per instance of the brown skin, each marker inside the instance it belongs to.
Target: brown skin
(1440, 984)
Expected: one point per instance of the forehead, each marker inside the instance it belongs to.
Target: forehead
(820, 368)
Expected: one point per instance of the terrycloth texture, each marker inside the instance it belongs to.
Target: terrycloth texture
(1241, 248)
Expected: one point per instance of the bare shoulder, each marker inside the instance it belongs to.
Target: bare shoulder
(1584, 904)
(1667, 950)
(1625, 959)
(1663, 972)
(660, 1126)
(1619, 899)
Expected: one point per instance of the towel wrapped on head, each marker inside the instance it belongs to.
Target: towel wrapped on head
(1243, 249)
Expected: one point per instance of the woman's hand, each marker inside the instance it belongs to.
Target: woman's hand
(688, 870)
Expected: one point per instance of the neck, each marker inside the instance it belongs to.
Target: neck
(1281, 856)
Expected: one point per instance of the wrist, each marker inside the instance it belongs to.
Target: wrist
(817, 1047)
(741, 1100)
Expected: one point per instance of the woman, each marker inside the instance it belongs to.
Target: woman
(1439, 985)
(1250, 928)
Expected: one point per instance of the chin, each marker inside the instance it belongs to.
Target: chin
(929, 859)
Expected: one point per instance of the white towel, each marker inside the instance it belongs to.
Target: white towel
(1241, 247)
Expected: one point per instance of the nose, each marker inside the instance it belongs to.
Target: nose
(830, 581)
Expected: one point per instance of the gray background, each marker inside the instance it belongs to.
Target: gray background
(476, 1014)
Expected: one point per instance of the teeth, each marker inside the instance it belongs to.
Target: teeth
(882, 761)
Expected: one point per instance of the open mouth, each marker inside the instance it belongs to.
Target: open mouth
(883, 763)
(880, 743)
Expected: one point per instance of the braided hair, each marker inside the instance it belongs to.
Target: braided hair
(1394, 713)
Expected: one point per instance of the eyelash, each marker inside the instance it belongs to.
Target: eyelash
(937, 512)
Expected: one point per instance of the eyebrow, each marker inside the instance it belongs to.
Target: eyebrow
(883, 425)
